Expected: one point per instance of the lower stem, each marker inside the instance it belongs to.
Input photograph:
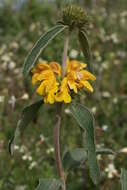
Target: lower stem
(57, 144)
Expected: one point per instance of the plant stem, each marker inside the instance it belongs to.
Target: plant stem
(64, 59)
(58, 119)
(57, 144)
(57, 140)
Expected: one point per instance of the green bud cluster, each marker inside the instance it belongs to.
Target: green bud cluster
(75, 16)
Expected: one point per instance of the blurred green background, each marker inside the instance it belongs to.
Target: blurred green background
(21, 24)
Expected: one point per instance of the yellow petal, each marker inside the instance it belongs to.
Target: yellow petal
(72, 75)
(52, 85)
(56, 68)
(75, 65)
(86, 75)
(87, 85)
(35, 78)
(83, 65)
(59, 97)
(41, 89)
(50, 98)
(66, 97)
(44, 75)
(72, 85)
(42, 66)
(63, 84)
(63, 96)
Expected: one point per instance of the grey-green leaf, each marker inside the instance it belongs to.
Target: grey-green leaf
(74, 158)
(39, 47)
(28, 114)
(86, 122)
(85, 48)
(124, 179)
(49, 184)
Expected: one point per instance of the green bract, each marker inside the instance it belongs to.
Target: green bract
(75, 16)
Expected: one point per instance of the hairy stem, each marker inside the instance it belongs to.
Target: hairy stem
(58, 119)
(57, 144)
(57, 141)
(64, 59)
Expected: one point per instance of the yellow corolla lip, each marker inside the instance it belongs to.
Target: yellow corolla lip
(55, 68)
(46, 76)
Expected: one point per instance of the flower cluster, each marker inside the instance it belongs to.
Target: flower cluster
(53, 87)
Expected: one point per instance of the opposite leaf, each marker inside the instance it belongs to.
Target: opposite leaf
(39, 46)
(86, 122)
(74, 158)
(124, 179)
(28, 114)
(85, 47)
(49, 184)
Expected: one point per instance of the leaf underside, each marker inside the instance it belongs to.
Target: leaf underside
(86, 122)
(77, 156)
(28, 114)
(39, 47)
(49, 184)
(74, 158)
(85, 48)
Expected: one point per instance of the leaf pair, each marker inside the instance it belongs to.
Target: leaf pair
(85, 121)
(46, 39)
(55, 184)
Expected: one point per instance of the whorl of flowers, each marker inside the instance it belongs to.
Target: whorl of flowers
(53, 87)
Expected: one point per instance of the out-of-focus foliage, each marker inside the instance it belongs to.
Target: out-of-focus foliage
(20, 26)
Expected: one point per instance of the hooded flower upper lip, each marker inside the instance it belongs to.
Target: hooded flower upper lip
(46, 76)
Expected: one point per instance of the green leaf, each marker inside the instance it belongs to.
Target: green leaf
(74, 158)
(49, 184)
(85, 47)
(86, 122)
(39, 47)
(124, 179)
(28, 114)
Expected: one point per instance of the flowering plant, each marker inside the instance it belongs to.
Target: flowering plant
(60, 84)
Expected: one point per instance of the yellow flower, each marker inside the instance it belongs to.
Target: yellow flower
(75, 65)
(55, 68)
(46, 77)
(64, 93)
(78, 77)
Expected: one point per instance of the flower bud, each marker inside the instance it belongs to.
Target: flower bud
(75, 16)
